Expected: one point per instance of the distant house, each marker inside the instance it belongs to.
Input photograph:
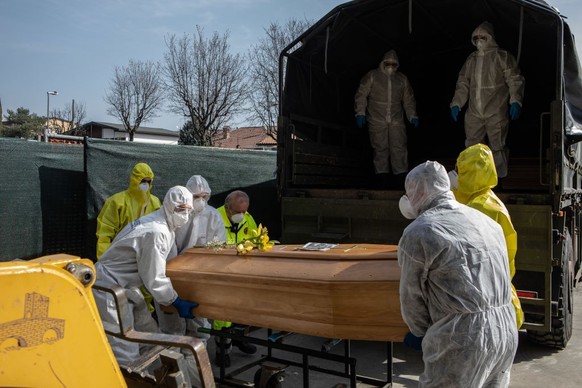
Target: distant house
(102, 130)
(57, 125)
(252, 138)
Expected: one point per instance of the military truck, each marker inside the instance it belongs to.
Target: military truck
(325, 171)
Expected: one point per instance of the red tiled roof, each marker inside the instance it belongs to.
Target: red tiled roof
(268, 141)
(65, 141)
(244, 138)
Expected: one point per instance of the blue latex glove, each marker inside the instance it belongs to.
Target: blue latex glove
(184, 307)
(415, 122)
(455, 113)
(360, 121)
(413, 342)
(514, 111)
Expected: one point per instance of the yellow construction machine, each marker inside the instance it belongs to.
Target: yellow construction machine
(51, 334)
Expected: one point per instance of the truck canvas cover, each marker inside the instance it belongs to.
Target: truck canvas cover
(321, 69)
(329, 190)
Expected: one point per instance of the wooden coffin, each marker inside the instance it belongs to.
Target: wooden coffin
(347, 292)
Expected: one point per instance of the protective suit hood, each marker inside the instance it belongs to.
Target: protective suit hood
(139, 172)
(389, 56)
(425, 183)
(198, 185)
(485, 29)
(476, 169)
(176, 196)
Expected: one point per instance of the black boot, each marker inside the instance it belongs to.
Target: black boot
(245, 347)
(223, 359)
(219, 360)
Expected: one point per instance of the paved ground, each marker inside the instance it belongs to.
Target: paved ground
(534, 366)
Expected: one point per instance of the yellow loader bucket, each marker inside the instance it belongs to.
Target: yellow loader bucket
(50, 331)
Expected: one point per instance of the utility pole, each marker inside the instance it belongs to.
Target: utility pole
(48, 94)
(72, 115)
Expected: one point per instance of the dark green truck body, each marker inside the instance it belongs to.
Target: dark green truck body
(325, 172)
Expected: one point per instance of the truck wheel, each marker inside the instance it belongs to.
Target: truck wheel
(561, 331)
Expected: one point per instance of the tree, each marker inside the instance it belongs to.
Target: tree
(135, 94)
(21, 123)
(264, 71)
(69, 118)
(205, 82)
(188, 134)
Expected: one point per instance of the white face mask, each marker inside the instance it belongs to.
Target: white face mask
(454, 178)
(480, 44)
(390, 70)
(198, 205)
(144, 186)
(180, 219)
(406, 208)
(237, 218)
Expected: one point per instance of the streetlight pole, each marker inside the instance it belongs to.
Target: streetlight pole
(48, 94)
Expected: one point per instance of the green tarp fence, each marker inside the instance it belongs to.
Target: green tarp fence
(42, 199)
(51, 194)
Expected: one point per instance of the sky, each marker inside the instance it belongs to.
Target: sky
(73, 46)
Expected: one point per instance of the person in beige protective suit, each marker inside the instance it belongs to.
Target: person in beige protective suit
(491, 81)
(379, 100)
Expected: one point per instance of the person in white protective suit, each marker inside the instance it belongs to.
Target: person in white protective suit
(379, 100)
(136, 257)
(455, 289)
(491, 81)
(205, 225)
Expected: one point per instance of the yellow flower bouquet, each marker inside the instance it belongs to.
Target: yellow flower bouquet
(259, 241)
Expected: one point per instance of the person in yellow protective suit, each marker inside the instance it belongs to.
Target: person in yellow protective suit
(239, 225)
(477, 177)
(124, 207)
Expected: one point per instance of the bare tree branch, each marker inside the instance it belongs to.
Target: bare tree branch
(205, 82)
(135, 94)
(264, 71)
(69, 118)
